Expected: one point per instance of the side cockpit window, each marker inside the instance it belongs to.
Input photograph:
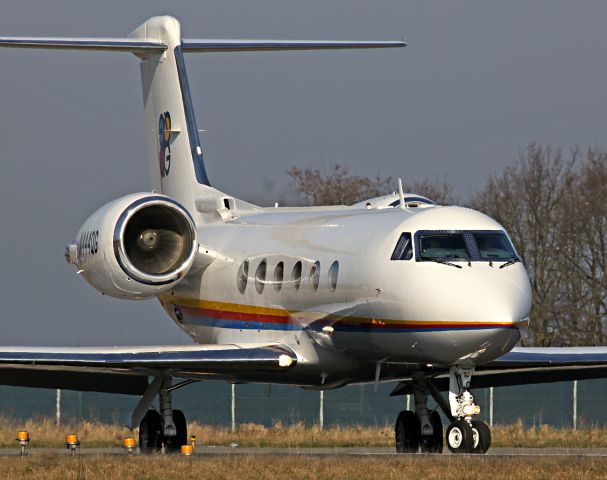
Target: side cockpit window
(404, 248)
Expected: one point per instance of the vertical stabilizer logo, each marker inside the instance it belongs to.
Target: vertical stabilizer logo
(164, 134)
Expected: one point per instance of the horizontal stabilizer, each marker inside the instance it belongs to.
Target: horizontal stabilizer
(135, 45)
(190, 45)
(108, 44)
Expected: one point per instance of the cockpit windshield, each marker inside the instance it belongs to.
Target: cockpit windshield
(464, 246)
(443, 245)
(494, 246)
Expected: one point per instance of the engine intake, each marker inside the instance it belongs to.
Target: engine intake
(155, 241)
(137, 246)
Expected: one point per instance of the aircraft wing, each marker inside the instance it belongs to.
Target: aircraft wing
(527, 365)
(126, 369)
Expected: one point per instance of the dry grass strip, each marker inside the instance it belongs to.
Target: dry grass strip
(44, 433)
(279, 468)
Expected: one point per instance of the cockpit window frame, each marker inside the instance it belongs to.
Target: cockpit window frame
(471, 246)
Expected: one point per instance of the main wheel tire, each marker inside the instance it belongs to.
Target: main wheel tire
(481, 441)
(434, 442)
(459, 437)
(407, 432)
(173, 444)
(150, 432)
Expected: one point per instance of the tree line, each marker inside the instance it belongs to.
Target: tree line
(553, 204)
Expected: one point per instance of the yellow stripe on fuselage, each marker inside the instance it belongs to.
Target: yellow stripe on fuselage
(224, 306)
(283, 312)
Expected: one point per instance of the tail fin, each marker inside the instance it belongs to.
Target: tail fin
(174, 150)
(173, 147)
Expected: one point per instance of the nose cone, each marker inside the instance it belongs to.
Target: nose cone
(482, 308)
(476, 294)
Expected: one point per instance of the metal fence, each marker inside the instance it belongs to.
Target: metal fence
(220, 403)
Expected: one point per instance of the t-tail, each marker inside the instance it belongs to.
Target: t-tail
(175, 153)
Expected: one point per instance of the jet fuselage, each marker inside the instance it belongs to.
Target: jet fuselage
(322, 281)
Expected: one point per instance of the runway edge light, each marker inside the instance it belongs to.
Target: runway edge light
(129, 444)
(72, 443)
(23, 437)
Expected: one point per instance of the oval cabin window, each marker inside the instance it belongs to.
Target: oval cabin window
(315, 276)
(333, 272)
(260, 277)
(296, 275)
(243, 275)
(278, 275)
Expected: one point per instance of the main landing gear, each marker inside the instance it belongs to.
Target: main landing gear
(166, 431)
(152, 436)
(422, 431)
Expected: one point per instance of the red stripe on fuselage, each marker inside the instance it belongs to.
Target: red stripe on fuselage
(227, 315)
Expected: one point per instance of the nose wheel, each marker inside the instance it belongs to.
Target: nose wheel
(422, 431)
(481, 437)
(465, 435)
(459, 437)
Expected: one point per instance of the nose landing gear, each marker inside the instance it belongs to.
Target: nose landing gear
(422, 431)
(465, 435)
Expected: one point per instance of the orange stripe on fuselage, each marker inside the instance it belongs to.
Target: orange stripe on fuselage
(235, 311)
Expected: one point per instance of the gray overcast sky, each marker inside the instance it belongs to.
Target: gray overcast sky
(478, 82)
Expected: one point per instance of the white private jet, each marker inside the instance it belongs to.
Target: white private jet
(394, 289)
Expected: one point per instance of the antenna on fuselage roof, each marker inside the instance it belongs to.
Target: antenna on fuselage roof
(401, 195)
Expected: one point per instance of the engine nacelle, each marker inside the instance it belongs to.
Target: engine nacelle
(135, 247)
